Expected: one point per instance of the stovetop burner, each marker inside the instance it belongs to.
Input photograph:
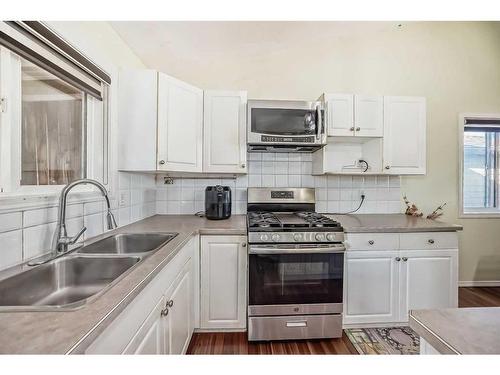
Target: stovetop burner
(289, 221)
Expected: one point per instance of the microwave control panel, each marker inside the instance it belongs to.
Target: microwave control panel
(266, 138)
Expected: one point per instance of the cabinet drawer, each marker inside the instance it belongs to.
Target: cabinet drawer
(428, 240)
(263, 328)
(372, 241)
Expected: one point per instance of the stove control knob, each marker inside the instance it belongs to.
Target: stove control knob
(264, 237)
(275, 237)
(297, 237)
(330, 237)
(319, 237)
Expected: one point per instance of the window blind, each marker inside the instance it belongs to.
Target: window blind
(37, 43)
(482, 125)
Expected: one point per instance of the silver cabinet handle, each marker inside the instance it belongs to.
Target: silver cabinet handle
(358, 129)
(431, 241)
(161, 162)
(244, 245)
(164, 312)
(352, 129)
(398, 259)
(387, 167)
(170, 303)
(371, 242)
(405, 259)
(298, 323)
(243, 165)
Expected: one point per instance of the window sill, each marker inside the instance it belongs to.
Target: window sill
(479, 215)
(11, 202)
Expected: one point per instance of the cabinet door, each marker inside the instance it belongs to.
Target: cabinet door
(404, 135)
(371, 287)
(150, 338)
(180, 315)
(137, 116)
(368, 116)
(223, 281)
(428, 280)
(340, 109)
(180, 125)
(224, 132)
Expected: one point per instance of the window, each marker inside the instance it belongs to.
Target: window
(480, 165)
(53, 129)
(53, 112)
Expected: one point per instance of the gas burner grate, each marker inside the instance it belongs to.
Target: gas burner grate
(317, 220)
(263, 220)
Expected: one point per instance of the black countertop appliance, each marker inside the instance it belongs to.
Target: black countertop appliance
(217, 202)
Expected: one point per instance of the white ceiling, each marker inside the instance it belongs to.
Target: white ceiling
(179, 47)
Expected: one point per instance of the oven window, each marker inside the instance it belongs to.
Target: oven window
(295, 278)
(283, 121)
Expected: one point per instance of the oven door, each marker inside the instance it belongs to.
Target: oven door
(295, 280)
(272, 122)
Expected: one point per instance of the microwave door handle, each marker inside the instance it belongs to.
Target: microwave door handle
(319, 122)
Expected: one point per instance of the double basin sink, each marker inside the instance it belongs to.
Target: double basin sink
(70, 280)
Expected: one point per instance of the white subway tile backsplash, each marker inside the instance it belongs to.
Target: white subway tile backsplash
(11, 221)
(11, 251)
(37, 240)
(268, 180)
(268, 167)
(294, 167)
(94, 224)
(335, 194)
(281, 180)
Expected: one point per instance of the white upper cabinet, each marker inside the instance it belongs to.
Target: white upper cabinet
(137, 122)
(368, 116)
(180, 125)
(355, 115)
(340, 112)
(404, 135)
(224, 132)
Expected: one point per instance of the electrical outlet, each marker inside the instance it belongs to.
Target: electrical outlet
(122, 199)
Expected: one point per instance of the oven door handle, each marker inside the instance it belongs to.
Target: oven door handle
(319, 250)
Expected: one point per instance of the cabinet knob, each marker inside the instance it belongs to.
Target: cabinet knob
(164, 312)
(405, 259)
(243, 165)
(371, 242)
(431, 241)
(352, 129)
(387, 167)
(244, 245)
(161, 162)
(358, 129)
(398, 259)
(170, 303)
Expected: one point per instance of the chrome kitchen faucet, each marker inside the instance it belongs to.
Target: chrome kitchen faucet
(61, 239)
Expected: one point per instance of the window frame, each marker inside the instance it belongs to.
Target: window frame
(476, 213)
(97, 138)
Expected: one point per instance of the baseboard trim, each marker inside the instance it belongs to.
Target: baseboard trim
(485, 283)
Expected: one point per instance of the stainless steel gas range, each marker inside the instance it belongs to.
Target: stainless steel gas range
(296, 267)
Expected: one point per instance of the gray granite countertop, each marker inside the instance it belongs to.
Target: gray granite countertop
(391, 223)
(459, 331)
(60, 332)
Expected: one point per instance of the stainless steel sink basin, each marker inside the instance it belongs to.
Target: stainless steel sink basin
(128, 243)
(65, 282)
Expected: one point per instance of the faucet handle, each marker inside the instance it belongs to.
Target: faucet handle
(77, 236)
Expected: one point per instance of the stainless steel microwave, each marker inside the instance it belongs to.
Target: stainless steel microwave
(285, 126)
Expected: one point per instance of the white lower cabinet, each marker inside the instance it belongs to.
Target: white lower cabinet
(428, 280)
(161, 319)
(371, 281)
(382, 286)
(223, 282)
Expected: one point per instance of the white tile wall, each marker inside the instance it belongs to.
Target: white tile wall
(334, 194)
(28, 233)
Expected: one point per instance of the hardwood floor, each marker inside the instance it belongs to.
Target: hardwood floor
(237, 343)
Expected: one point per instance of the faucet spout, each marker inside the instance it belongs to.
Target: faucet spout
(61, 240)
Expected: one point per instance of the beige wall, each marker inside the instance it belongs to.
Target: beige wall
(456, 66)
